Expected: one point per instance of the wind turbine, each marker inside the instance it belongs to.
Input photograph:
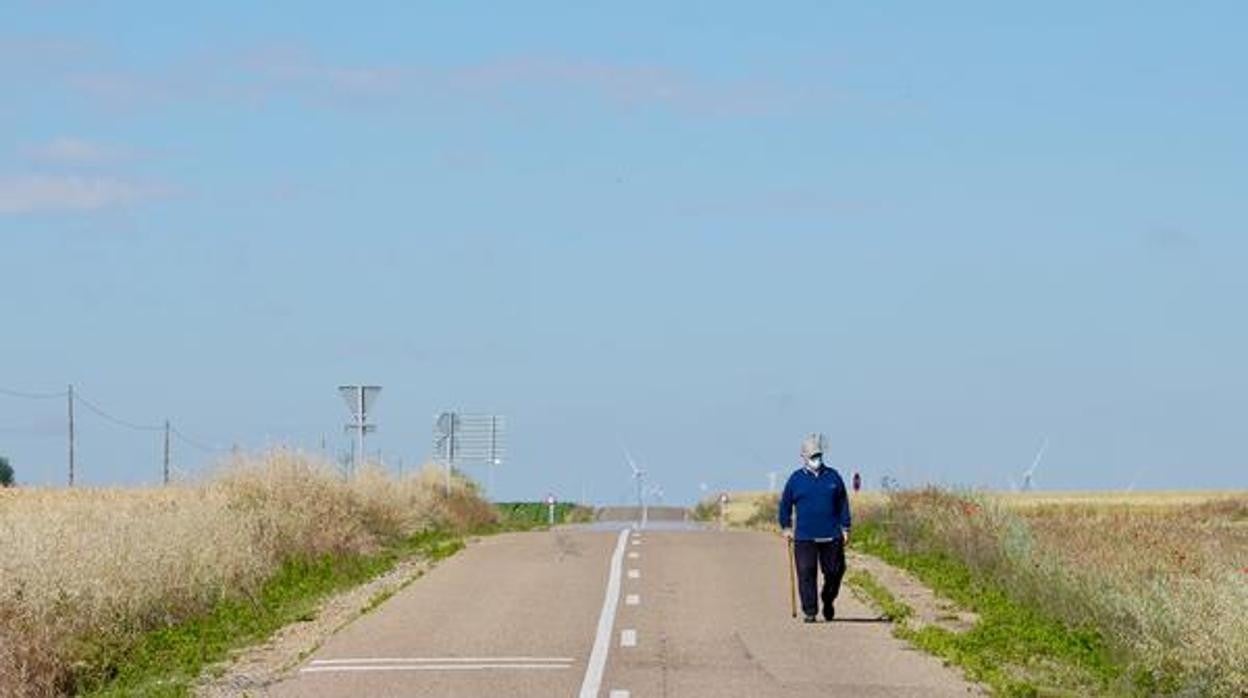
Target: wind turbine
(639, 476)
(1031, 472)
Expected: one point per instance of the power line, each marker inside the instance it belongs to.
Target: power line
(31, 396)
(194, 443)
(114, 419)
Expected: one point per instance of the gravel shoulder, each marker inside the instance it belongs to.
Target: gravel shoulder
(251, 670)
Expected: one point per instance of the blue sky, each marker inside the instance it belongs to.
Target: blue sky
(938, 234)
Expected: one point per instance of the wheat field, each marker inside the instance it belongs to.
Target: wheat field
(1163, 575)
(88, 567)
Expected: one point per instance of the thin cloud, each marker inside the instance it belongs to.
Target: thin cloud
(56, 193)
(1172, 241)
(633, 85)
(41, 53)
(282, 72)
(75, 151)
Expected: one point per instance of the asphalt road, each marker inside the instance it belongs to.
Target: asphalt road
(593, 612)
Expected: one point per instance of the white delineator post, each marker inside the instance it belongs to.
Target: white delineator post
(550, 509)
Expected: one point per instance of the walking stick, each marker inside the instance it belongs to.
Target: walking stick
(792, 583)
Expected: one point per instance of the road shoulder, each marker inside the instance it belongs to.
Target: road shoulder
(258, 666)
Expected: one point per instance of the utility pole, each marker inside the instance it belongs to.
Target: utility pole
(71, 435)
(166, 463)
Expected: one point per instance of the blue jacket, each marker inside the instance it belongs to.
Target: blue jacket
(821, 502)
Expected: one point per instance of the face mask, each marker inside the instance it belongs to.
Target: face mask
(814, 463)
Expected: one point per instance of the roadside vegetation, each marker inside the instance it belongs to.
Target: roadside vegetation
(524, 516)
(1083, 597)
(1076, 594)
(136, 591)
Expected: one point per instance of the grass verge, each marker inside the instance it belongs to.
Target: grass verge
(889, 605)
(1014, 649)
(527, 516)
(167, 662)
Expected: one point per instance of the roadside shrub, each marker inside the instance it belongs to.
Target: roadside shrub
(706, 510)
(84, 572)
(766, 513)
(1166, 586)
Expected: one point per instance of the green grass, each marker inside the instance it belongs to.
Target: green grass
(706, 511)
(1015, 649)
(167, 662)
(892, 608)
(525, 516)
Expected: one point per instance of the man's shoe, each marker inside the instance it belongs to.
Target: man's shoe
(810, 619)
(829, 612)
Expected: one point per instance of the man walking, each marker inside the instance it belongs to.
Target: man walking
(818, 494)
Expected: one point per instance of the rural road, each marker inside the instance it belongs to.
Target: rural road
(604, 611)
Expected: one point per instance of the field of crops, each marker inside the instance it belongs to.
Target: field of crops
(87, 574)
(1151, 587)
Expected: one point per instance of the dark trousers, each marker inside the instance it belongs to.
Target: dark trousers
(811, 557)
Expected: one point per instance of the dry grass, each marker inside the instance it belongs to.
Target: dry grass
(88, 568)
(756, 509)
(1164, 577)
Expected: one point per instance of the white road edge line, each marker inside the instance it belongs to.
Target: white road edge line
(426, 667)
(606, 622)
(628, 638)
(443, 660)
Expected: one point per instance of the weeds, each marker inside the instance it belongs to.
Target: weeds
(524, 516)
(96, 584)
(892, 608)
(1088, 598)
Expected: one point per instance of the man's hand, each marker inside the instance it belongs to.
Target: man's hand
(845, 536)
(787, 533)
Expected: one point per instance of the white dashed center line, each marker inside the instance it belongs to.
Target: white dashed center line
(632, 600)
(634, 574)
(628, 638)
